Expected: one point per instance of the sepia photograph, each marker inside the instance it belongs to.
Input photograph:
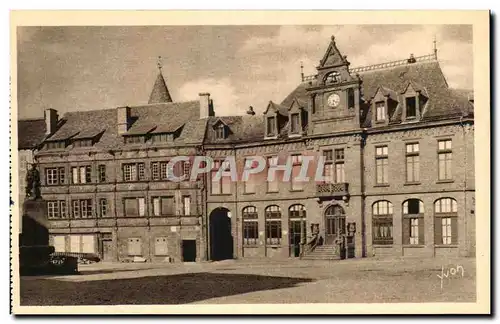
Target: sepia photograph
(211, 164)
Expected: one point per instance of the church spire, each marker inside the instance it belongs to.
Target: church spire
(160, 93)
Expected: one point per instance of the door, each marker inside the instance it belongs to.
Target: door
(107, 250)
(189, 250)
(296, 229)
(334, 224)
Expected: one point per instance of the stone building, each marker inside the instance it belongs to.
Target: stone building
(398, 177)
(103, 174)
(398, 145)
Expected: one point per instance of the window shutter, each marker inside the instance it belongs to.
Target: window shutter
(156, 206)
(142, 209)
(131, 207)
(454, 230)
(421, 234)
(437, 231)
(406, 230)
(167, 206)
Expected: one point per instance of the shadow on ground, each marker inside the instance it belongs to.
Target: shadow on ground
(170, 289)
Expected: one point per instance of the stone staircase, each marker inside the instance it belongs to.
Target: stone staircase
(322, 252)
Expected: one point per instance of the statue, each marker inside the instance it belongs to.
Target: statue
(33, 183)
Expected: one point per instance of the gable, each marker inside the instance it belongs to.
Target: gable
(332, 56)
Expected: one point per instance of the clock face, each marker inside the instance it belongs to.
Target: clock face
(333, 100)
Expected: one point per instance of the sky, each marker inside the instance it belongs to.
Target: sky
(89, 68)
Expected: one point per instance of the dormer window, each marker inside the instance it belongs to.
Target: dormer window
(51, 145)
(271, 126)
(380, 111)
(295, 123)
(333, 77)
(161, 138)
(220, 131)
(411, 107)
(83, 142)
(134, 139)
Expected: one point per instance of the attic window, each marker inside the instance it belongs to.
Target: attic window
(134, 139)
(55, 145)
(411, 107)
(161, 138)
(333, 77)
(271, 126)
(220, 131)
(380, 111)
(83, 142)
(294, 123)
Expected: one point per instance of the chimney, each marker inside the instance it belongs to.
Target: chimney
(123, 119)
(206, 105)
(250, 111)
(51, 120)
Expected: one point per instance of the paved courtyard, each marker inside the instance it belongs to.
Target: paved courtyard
(261, 281)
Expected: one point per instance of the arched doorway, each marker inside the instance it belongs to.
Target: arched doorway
(334, 223)
(221, 239)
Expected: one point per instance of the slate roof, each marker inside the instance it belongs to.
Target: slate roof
(167, 117)
(427, 76)
(30, 133)
(242, 129)
(160, 91)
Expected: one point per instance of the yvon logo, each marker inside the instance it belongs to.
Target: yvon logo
(452, 272)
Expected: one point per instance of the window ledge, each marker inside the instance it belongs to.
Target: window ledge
(250, 246)
(271, 137)
(412, 183)
(248, 193)
(417, 246)
(381, 185)
(273, 245)
(296, 190)
(446, 245)
(294, 135)
(388, 246)
(380, 122)
(222, 194)
(271, 192)
(445, 181)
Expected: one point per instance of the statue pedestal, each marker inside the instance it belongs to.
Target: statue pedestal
(34, 224)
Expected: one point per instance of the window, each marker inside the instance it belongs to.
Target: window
(163, 206)
(380, 111)
(59, 243)
(134, 247)
(249, 184)
(102, 173)
(333, 77)
(296, 166)
(334, 171)
(186, 205)
(339, 166)
(220, 131)
(82, 208)
(103, 207)
(134, 172)
(155, 170)
(161, 138)
(63, 209)
(350, 98)
(272, 186)
(55, 145)
(161, 246)
(412, 163)
(55, 176)
(295, 124)
(273, 225)
(382, 222)
(297, 211)
(134, 139)
(445, 223)
(250, 226)
(82, 243)
(444, 159)
(83, 143)
(53, 209)
(382, 165)
(134, 207)
(271, 126)
(82, 174)
(411, 107)
(186, 169)
(222, 185)
(413, 222)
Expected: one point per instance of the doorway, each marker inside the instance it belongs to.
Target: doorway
(334, 224)
(221, 239)
(107, 250)
(189, 250)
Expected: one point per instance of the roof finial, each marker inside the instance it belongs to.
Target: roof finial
(302, 70)
(435, 48)
(159, 63)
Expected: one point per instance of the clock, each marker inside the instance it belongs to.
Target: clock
(333, 100)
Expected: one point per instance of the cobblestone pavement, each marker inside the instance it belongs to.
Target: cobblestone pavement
(258, 281)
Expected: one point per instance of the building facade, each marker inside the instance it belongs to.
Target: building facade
(398, 177)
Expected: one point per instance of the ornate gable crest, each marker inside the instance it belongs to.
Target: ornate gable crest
(332, 57)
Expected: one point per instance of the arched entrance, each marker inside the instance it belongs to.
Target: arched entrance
(334, 223)
(221, 239)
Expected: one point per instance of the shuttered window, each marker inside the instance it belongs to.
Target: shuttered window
(134, 246)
